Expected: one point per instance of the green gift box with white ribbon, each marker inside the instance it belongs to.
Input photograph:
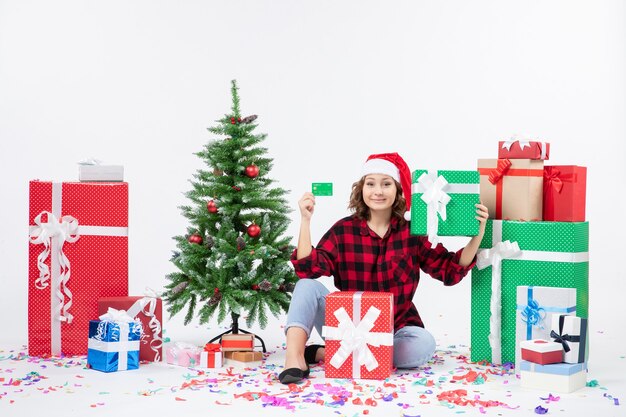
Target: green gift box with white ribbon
(443, 203)
(514, 253)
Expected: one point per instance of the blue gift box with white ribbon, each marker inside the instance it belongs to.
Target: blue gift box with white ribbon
(114, 342)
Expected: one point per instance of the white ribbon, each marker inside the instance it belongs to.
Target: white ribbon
(53, 234)
(522, 143)
(90, 161)
(436, 199)
(494, 256)
(355, 336)
(139, 306)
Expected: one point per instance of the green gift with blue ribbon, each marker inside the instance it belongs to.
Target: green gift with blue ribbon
(443, 203)
(114, 342)
(535, 308)
(518, 253)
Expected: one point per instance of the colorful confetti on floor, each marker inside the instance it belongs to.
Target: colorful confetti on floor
(448, 385)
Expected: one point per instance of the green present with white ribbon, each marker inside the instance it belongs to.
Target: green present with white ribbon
(515, 253)
(443, 203)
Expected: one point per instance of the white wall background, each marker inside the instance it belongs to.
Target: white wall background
(138, 83)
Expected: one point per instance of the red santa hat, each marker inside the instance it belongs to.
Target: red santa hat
(393, 165)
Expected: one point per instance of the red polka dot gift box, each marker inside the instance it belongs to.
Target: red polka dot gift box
(78, 253)
(359, 335)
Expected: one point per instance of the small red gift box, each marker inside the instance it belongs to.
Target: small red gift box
(359, 335)
(149, 310)
(237, 342)
(564, 193)
(523, 149)
(78, 253)
(211, 356)
(541, 351)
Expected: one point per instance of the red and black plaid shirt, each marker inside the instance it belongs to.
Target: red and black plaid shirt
(360, 260)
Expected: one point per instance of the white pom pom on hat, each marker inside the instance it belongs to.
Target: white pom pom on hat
(393, 165)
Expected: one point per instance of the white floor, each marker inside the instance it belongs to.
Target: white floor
(64, 387)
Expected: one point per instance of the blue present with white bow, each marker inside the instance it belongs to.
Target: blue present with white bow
(535, 308)
(114, 342)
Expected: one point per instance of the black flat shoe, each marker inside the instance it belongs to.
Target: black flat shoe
(310, 352)
(293, 375)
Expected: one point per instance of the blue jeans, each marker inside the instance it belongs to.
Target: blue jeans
(413, 346)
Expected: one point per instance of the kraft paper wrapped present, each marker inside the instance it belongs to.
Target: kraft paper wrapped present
(558, 377)
(211, 356)
(564, 193)
(536, 306)
(237, 342)
(523, 149)
(443, 203)
(114, 342)
(541, 351)
(572, 333)
(512, 189)
(182, 354)
(78, 253)
(359, 335)
(149, 311)
(243, 359)
(513, 253)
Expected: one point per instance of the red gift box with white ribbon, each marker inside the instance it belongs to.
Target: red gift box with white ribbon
(78, 253)
(523, 149)
(359, 335)
(149, 310)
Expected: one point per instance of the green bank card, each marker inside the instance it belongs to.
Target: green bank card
(322, 188)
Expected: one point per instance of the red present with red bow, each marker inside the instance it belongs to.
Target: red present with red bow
(211, 356)
(523, 149)
(149, 311)
(359, 335)
(564, 193)
(78, 253)
(512, 189)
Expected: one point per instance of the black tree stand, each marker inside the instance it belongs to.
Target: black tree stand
(234, 329)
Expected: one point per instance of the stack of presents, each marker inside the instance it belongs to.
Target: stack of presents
(78, 302)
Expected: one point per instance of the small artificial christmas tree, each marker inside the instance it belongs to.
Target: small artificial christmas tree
(234, 258)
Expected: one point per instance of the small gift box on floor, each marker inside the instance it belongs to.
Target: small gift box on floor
(149, 311)
(443, 203)
(557, 377)
(182, 354)
(523, 149)
(571, 333)
(359, 335)
(114, 342)
(541, 351)
(237, 342)
(564, 193)
(246, 359)
(211, 356)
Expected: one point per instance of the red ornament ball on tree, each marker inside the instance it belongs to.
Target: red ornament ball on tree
(195, 238)
(252, 171)
(254, 230)
(211, 206)
(255, 287)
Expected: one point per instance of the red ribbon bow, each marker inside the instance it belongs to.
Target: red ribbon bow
(501, 169)
(552, 179)
(212, 347)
